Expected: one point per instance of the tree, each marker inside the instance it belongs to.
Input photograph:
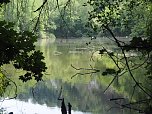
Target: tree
(107, 15)
(17, 48)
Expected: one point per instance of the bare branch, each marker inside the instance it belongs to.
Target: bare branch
(92, 71)
(38, 19)
(126, 61)
(110, 84)
(41, 7)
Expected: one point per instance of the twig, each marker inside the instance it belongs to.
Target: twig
(110, 84)
(83, 74)
(133, 92)
(84, 68)
(93, 71)
(59, 97)
(41, 7)
(140, 101)
(15, 95)
(126, 61)
(112, 59)
(38, 19)
(129, 107)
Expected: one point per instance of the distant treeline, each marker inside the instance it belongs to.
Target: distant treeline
(64, 19)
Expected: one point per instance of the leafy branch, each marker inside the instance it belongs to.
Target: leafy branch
(126, 61)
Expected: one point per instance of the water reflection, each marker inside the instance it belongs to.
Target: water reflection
(21, 107)
(83, 92)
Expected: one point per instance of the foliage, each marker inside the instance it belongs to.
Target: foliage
(18, 48)
(123, 17)
(68, 19)
(106, 15)
(4, 1)
(4, 82)
(71, 20)
(55, 18)
(114, 16)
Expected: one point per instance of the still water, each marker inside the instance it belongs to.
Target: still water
(21, 107)
(84, 92)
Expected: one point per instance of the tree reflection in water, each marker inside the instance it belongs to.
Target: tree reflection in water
(85, 93)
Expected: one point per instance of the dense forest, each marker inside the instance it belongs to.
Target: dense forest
(125, 23)
(65, 19)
